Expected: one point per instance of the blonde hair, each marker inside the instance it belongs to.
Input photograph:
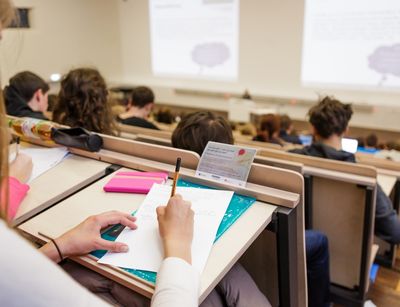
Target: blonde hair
(7, 15)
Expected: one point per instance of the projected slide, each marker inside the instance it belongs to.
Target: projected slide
(352, 43)
(195, 39)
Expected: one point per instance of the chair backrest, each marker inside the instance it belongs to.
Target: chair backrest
(153, 140)
(145, 131)
(342, 199)
(155, 152)
(259, 145)
(368, 159)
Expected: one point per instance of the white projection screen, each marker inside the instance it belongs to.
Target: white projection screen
(195, 39)
(352, 44)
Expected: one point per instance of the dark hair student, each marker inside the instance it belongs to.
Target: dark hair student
(196, 129)
(26, 95)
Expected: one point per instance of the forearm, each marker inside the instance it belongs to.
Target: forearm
(182, 250)
(51, 252)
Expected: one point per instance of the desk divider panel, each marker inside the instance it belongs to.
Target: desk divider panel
(345, 167)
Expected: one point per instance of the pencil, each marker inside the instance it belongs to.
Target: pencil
(176, 176)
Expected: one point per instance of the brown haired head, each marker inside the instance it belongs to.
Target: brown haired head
(286, 122)
(269, 127)
(196, 129)
(82, 102)
(142, 96)
(330, 116)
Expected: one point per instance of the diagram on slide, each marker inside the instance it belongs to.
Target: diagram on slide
(210, 55)
(195, 39)
(385, 60)
(351, 44)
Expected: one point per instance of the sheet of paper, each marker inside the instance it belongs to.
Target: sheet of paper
(145, 247)
(226, 163)
(43, 159)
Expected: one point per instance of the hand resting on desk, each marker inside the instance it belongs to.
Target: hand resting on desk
(86, 237)
(175, 223)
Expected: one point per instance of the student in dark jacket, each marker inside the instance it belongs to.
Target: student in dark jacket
(329, 120)
(139, 109)
(26, 95)
(193, 133)
(287, 132)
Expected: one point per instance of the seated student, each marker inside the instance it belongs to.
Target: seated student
(139, 108)
(329, 120)
(193, 133)
(269, 130)
(286, 132)
(165, 116)
(371, 141)
(26, 96)
(82, 102)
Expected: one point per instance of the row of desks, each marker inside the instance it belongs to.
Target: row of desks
(72, 191)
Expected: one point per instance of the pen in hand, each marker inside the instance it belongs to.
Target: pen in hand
(176, 176)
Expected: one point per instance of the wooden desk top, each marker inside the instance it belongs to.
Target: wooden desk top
(67, 177)
(93, 200)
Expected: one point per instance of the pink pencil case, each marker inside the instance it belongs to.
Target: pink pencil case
(134, 182)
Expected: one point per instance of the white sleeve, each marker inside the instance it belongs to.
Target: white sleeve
(177, 284)
(28, 278)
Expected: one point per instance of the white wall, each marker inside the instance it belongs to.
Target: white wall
(64, 34)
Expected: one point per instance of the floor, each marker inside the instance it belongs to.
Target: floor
(385, 292)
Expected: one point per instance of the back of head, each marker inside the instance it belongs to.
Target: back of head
(330, 116)
(165, 116)
(286, 122)
(195, 130)
(82, 101)
(142, 96)
(270, 125)
(371, 140)
(26, 83)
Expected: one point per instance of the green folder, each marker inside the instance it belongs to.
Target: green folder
(238, 205)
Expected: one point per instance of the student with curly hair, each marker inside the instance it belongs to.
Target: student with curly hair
(329, 119)
(83, 102)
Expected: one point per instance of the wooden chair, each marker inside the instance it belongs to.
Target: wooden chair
(341, 203)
